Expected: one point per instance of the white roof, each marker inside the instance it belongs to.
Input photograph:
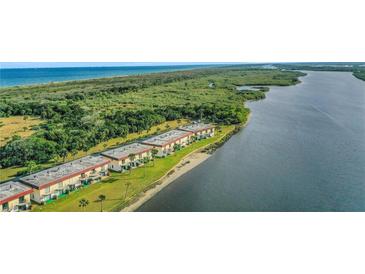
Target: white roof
(124, 151)
(10, 189)
(196, 127)
(166, 138)
(64, 171)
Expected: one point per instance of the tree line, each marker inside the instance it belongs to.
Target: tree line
(71, 128)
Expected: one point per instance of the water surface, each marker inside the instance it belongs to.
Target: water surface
(30, 76)
(303, 150)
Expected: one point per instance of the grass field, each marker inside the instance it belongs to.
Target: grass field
(17, 125)
(114, 187)
(8, 173)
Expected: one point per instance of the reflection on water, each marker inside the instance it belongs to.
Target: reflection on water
(303, 150)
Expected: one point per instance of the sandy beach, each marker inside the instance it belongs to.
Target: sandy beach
(188, 163)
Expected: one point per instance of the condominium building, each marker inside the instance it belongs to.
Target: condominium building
(128, 156)
(167, 142)
(200, 130)
(14, 196)
(60, 180)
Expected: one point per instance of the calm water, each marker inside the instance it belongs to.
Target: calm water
(28, 76)
(303, 150)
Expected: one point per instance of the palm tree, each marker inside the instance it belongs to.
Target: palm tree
(63, 154)
(177, 147)
(145, 162)
(201, 114)
(127, 184)
(131, 157)
(101, 199)
(154, 152)
(83, 203)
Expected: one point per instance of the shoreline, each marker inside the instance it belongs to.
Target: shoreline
(188, 163)
(185, 165)
(33, 85)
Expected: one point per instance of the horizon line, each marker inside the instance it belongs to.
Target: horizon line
(35, 65)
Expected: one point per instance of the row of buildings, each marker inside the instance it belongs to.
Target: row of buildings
(53, 183)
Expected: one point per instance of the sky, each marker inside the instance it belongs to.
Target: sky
(94, 64)
(221, 31)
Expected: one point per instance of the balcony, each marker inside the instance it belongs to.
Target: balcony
(46, 198)
(74, 186)
(22, 207)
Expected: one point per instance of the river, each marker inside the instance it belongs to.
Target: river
(303, 150)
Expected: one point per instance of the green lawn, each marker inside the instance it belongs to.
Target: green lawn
(114, 187)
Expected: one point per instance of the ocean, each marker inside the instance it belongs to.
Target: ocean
(30, 76)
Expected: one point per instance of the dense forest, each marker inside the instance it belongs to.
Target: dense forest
(81, 114)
